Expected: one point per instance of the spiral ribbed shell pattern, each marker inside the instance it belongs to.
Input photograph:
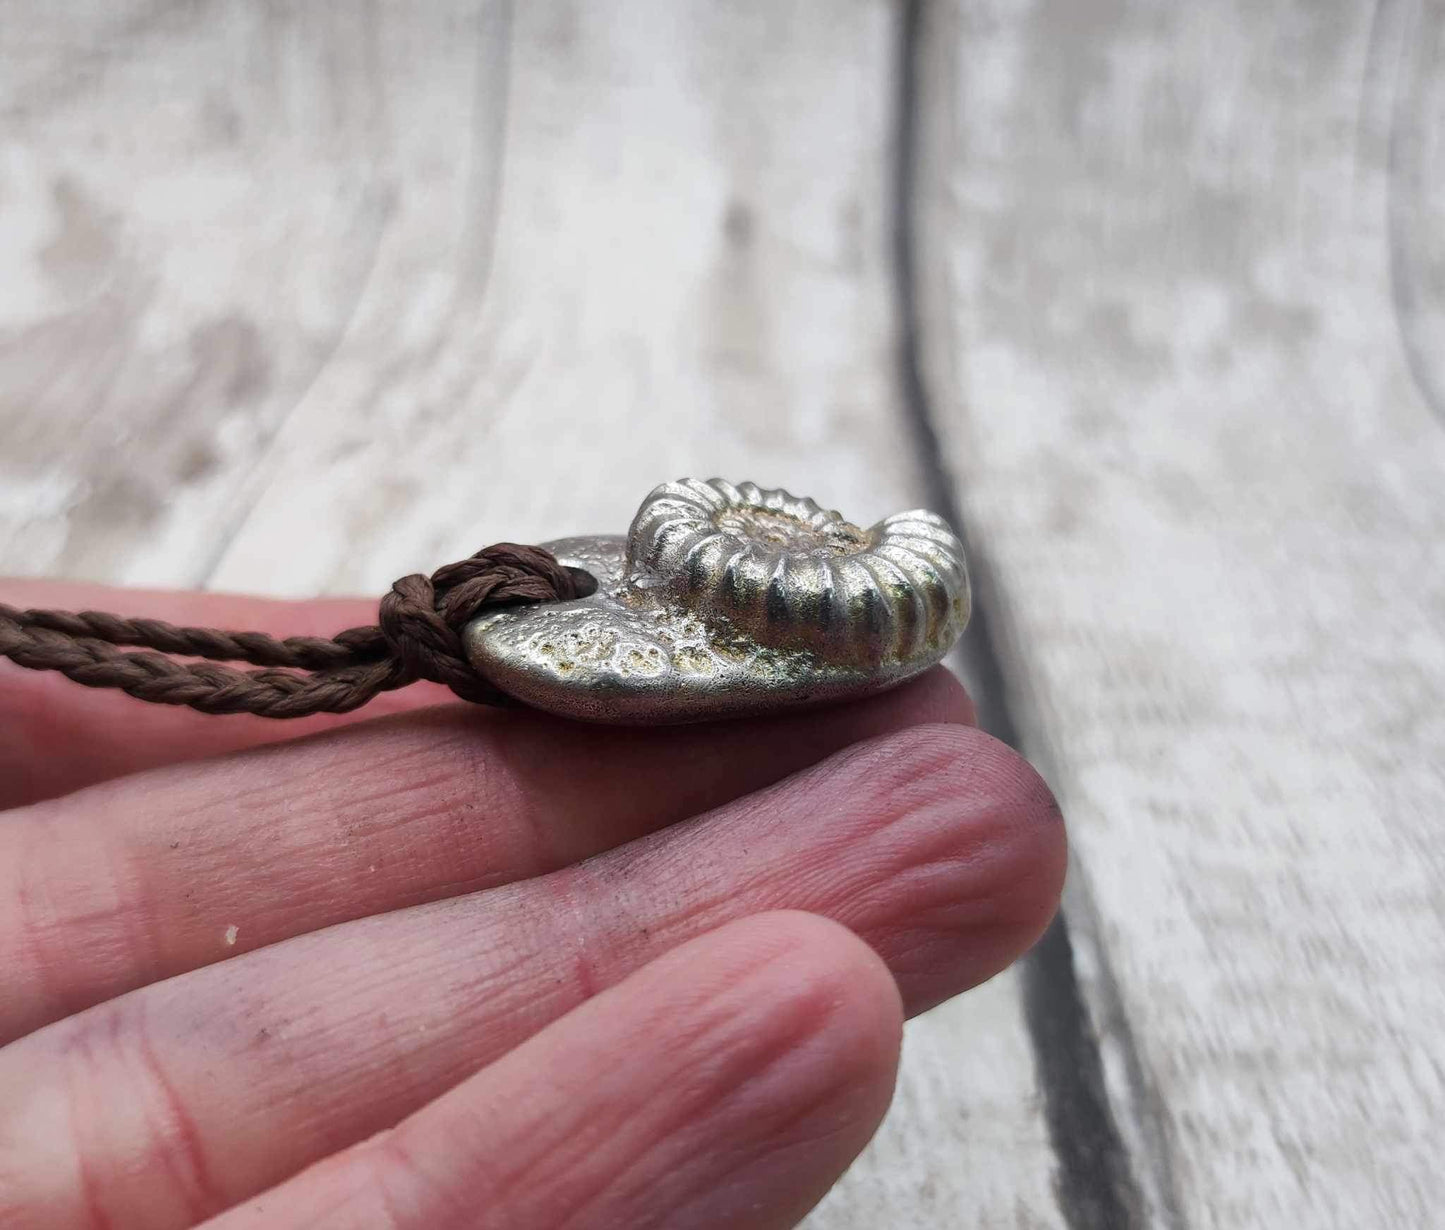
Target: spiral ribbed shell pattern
(787, 574)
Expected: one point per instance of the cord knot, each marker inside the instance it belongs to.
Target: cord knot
(422, 618)
(419, 637)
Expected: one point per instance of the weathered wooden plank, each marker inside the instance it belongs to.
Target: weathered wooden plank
(683, 268)
(1184, 280)
(194, 198)
(378, 286)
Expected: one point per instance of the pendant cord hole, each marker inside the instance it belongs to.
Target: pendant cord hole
(585, 582)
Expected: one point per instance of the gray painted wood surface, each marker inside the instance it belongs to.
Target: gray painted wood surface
(292, 296)
(1184, 330)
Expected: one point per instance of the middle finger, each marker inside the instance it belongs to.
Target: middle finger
(148, 876)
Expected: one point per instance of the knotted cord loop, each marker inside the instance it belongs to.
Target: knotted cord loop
(422, 617)
(419, 636)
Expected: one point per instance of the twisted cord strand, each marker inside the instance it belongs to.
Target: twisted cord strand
(418, 635)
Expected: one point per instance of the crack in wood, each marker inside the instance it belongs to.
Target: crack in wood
(1406, 78)
(1095, 1181)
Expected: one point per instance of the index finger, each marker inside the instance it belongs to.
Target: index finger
(59, 736)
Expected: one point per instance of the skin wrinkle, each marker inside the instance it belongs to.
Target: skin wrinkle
(988, 859)
(574, 894)
(934, 856)
(544, 848)
(892, 773)
(781, 1126)
(716, 1048)
(742, 1165)
(90, 1185)
(864, 888)
(28, 929)
(142, 922)
(48, 913)
(220, 827)
(496, 1187)
(116, 1042)
(334, 767)
(433, 791)
(120, 944)
(849, 775)
(493, 996)
(425, 835)
(621, 1184)
(754, 1021)
(440, 828)
(1008, 878)
(387, 1165)
(919, 786)
(268, 863)
(750, 842)
(180, 1146)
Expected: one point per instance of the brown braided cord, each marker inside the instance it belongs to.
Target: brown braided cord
(418, 636)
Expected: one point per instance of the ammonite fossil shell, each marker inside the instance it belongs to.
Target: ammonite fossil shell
(730, 600)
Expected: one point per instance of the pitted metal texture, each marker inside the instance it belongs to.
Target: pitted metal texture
(726, 601)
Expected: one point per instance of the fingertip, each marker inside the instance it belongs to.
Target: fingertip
(965, 841)
(813, 1074)
(947, 698)
(1032, 842)
(828, 979)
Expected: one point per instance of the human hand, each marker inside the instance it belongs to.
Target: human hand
(452, 967)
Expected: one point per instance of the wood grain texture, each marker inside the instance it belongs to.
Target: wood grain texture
(298, 298)
(1184, 331)
(192, 206)
(684, 272)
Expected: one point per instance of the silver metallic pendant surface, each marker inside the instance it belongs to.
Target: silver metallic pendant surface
(726, 601)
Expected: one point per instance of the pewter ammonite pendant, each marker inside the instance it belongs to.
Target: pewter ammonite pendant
(725, 601)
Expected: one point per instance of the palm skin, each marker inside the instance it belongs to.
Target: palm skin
(450, 968)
